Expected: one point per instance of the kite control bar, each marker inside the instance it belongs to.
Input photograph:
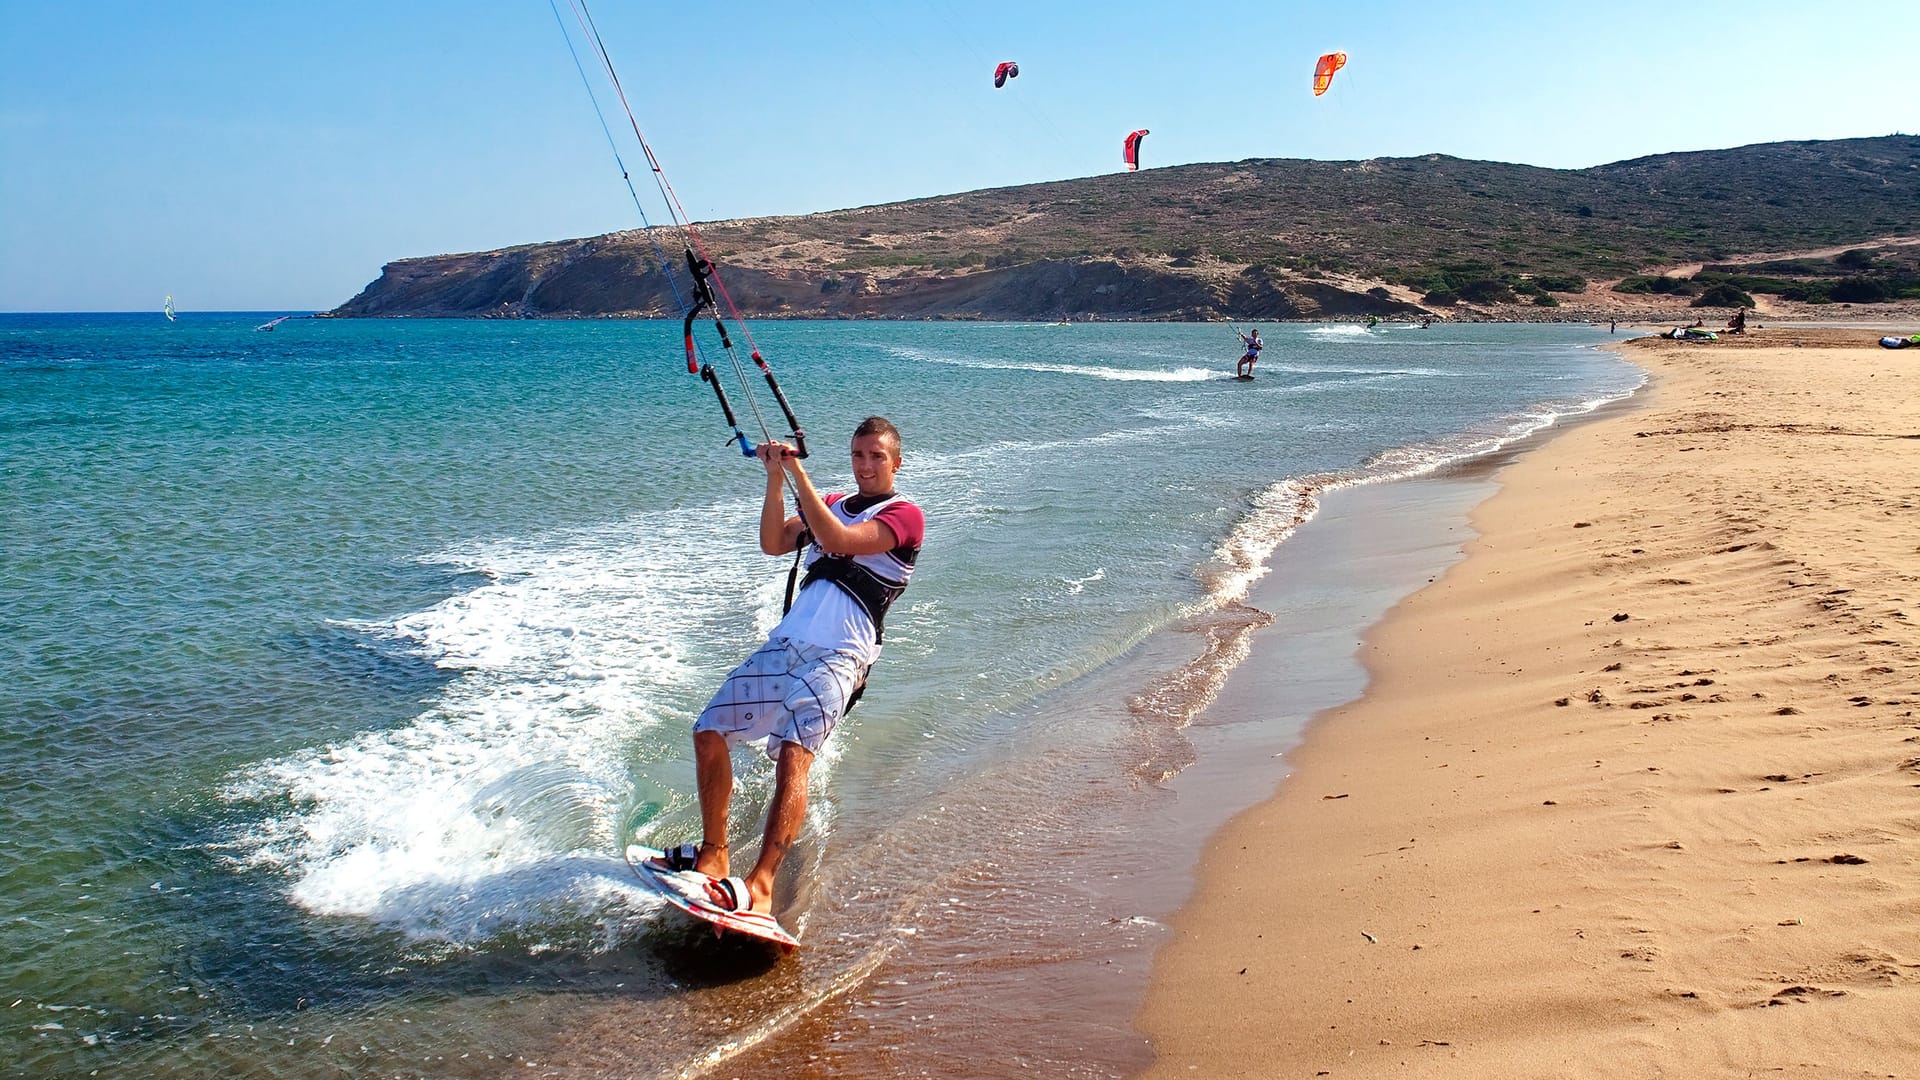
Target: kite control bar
(708, 291)
(699, 269)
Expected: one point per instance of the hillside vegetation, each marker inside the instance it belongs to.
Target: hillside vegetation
(1262, 238)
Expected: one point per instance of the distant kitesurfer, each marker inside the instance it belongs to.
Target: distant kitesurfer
(794, 690)
(1254, 345)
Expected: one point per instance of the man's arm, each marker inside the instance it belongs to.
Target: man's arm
(779, 534)
(834, 537)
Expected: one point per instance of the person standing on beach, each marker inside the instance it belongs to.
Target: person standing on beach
(1254, 345)
(791, 693)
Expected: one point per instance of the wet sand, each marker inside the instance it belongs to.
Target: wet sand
(1633, 790)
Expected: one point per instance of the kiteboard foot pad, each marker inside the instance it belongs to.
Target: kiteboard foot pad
(687, 890)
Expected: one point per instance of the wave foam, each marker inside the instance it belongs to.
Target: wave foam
(1181, 374)
(498, 805)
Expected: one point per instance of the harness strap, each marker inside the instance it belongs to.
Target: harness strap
(793, 573)
(793, 577)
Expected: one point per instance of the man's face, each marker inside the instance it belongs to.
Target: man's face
(874, 462)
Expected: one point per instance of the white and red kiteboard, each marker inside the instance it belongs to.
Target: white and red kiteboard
(687, 890)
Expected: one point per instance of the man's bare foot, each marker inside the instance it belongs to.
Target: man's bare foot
(737, 894)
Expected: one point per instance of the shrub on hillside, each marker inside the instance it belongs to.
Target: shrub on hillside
(1486, 291)
(1663, 285)
(1441, 298)
(1812, 292)
(1859, 290)
(1723, 296)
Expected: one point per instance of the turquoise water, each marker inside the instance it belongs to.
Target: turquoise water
(338, 660)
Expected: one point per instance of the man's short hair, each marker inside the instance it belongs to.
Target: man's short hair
(880, 425)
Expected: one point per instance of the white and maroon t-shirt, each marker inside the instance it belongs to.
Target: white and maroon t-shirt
(827, 614)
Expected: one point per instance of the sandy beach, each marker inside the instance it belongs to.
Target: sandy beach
(1634, 789)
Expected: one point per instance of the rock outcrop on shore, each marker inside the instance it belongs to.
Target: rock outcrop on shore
(603, 277)
(1259, 239)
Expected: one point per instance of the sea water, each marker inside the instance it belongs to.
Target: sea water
(337, 663)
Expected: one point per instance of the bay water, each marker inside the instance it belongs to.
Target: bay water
(338, 663)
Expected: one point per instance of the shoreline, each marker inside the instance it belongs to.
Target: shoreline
(1121, 845)
(1087, 973)
(1533, 846)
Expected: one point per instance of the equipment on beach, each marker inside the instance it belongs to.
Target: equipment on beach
(1691, 333)
(1910, 342)
(687, 890)
(705, 288)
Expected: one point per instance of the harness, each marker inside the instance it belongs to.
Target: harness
(873, 591)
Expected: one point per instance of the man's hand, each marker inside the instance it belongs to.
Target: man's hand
(774, 455)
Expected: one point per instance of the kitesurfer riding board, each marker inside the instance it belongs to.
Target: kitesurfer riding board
(688, 890)
(1244, 369)
(790, 694)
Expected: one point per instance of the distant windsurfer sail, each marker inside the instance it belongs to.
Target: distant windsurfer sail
(166, 308)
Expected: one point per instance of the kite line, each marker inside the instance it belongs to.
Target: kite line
(705, 286)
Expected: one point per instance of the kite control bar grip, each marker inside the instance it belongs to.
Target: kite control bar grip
(726, 407)
(799, 437)
(686, 338)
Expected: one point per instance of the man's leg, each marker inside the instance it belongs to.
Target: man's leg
(713, 768)
(784, 817)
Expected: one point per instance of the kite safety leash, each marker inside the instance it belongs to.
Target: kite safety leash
(707, 290)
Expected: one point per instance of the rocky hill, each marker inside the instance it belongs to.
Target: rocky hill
(1264, 238)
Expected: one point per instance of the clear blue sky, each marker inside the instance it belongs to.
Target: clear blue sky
(271, 157)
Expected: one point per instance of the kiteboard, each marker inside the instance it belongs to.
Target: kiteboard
(1243, 378)
(687, 890)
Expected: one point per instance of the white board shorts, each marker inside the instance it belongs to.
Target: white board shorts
(785, 692)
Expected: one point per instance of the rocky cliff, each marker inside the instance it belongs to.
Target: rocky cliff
(1266, 239)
